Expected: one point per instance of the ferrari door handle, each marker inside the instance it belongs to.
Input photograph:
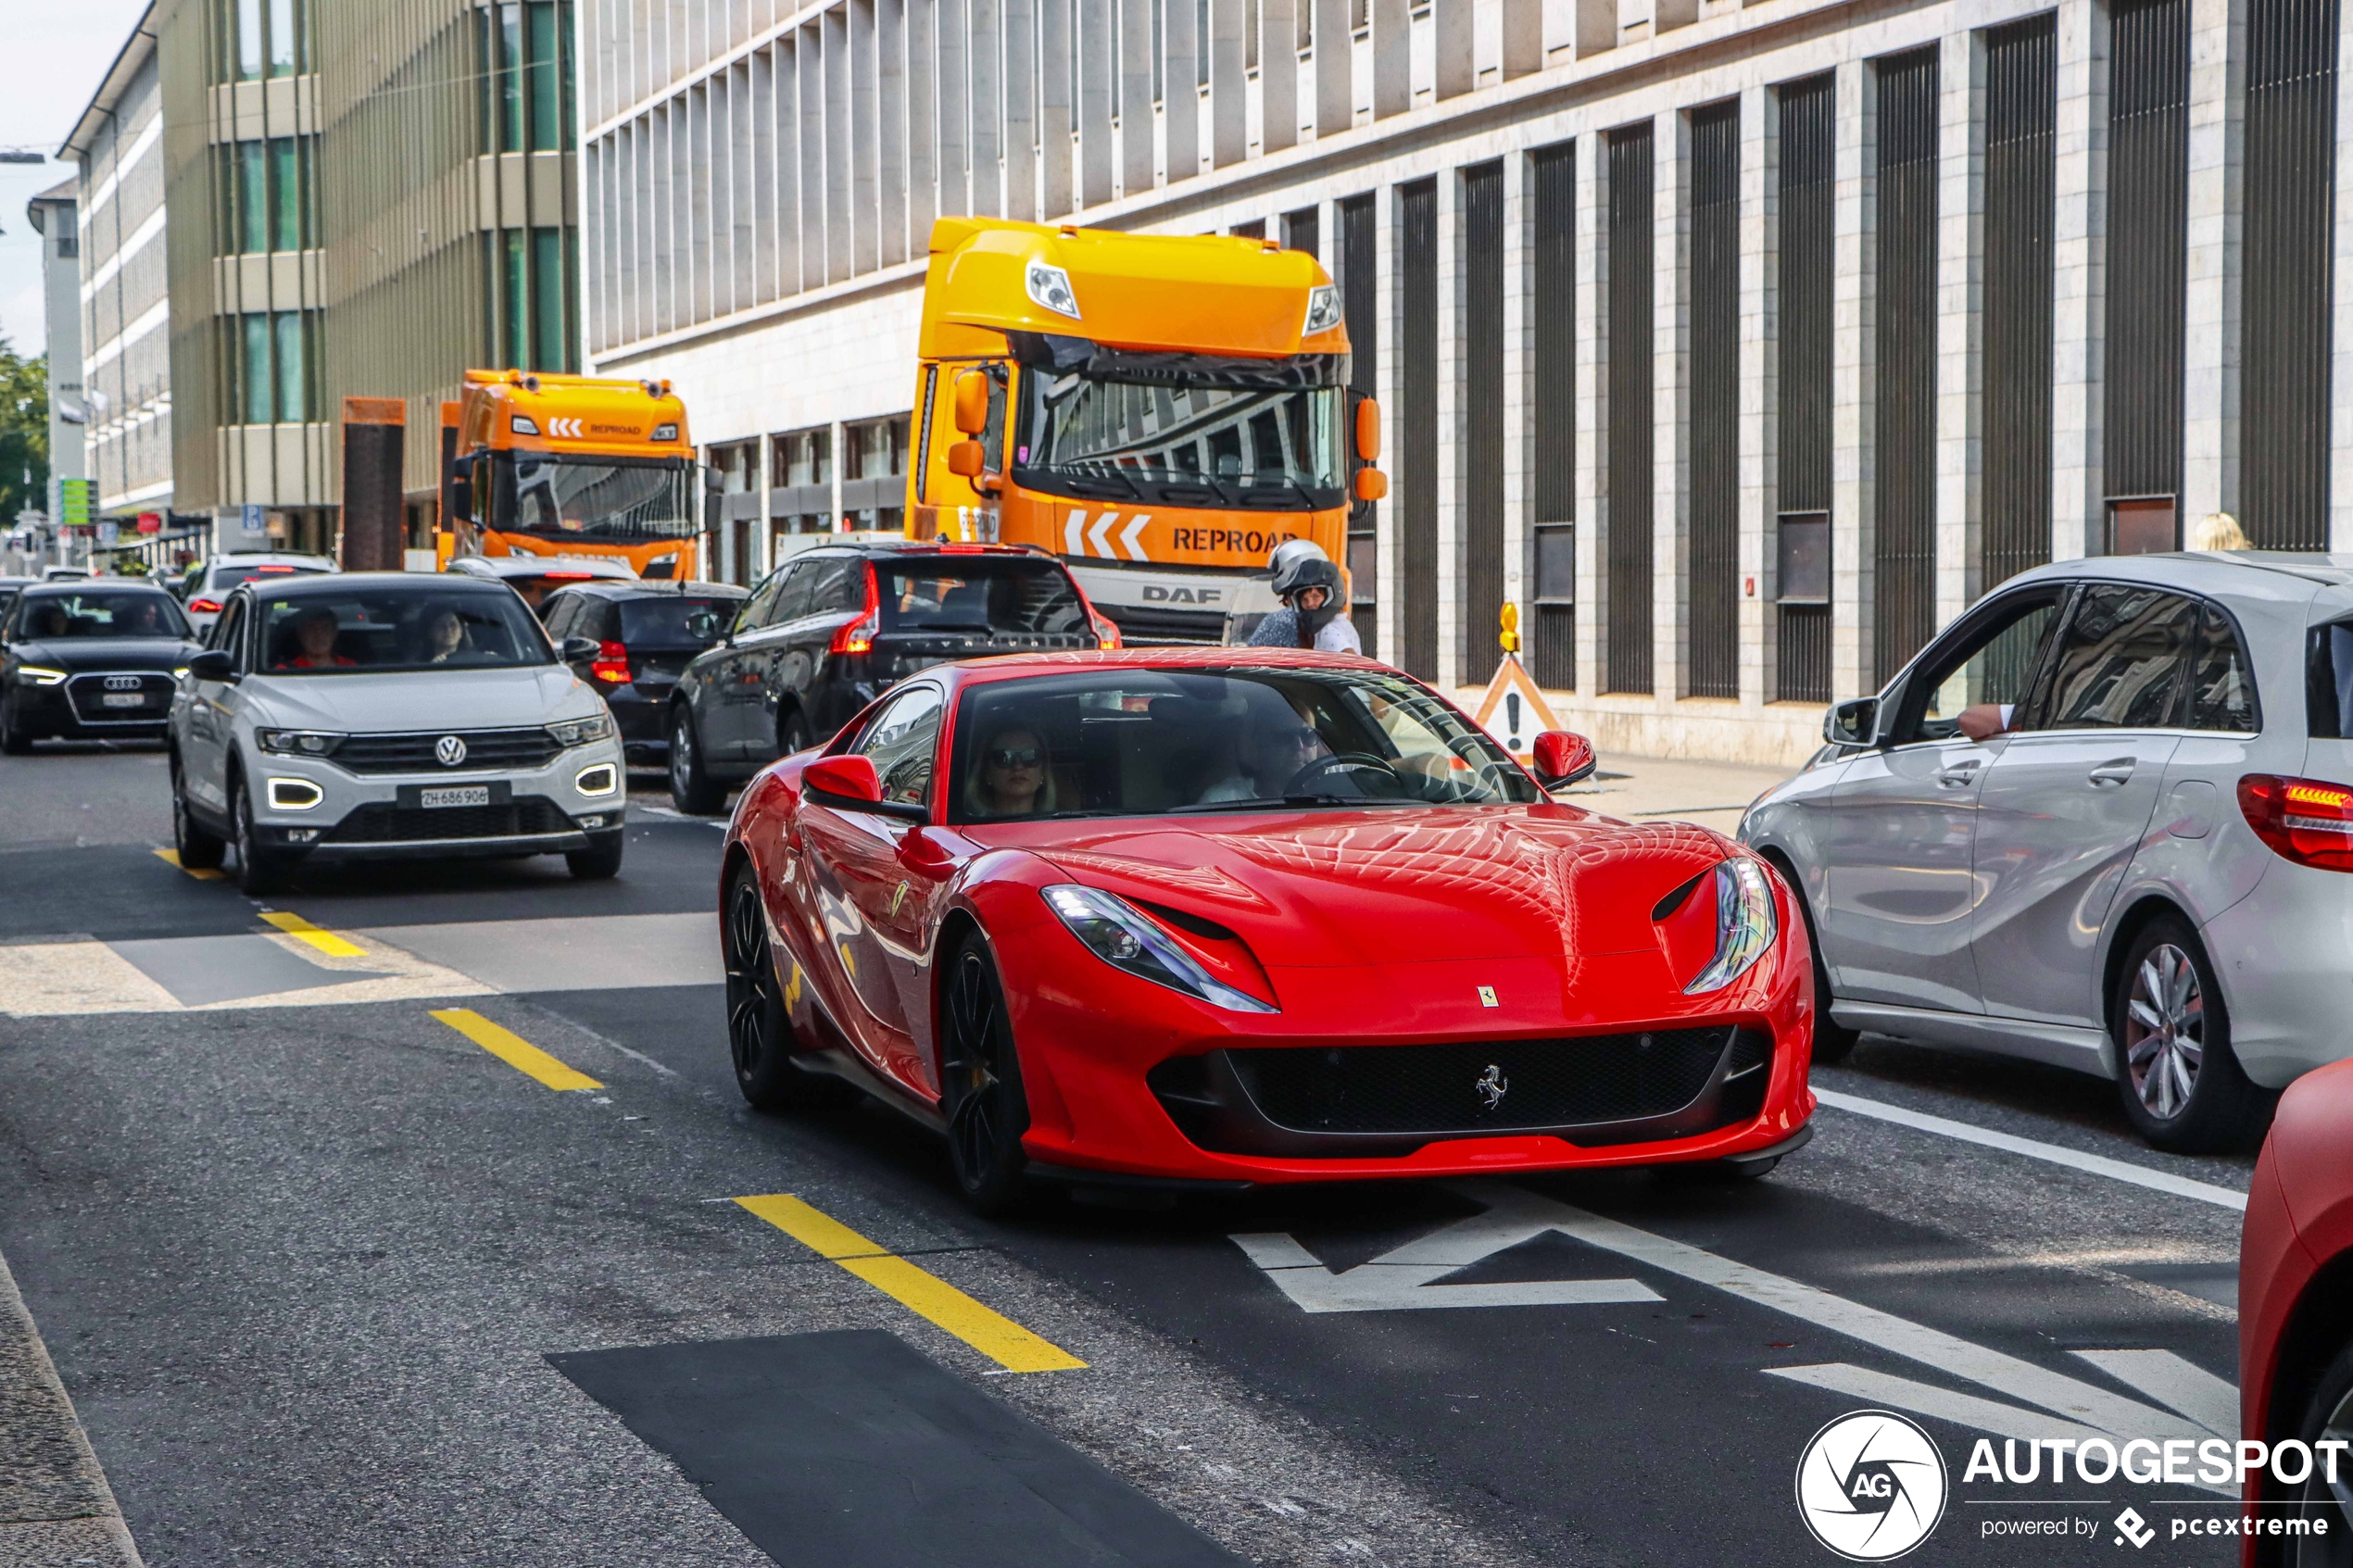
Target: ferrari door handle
(2110, 773)
(1958, 775)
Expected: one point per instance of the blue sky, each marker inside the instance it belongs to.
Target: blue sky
(57, 50)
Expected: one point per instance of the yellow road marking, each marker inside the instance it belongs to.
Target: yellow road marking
(514, 1050)
(926, 1294)
(171, 857)
(326, 941)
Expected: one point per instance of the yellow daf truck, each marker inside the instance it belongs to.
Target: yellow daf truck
(1159, 411)
(570, 466)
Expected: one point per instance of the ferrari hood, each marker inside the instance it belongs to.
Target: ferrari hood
(1397, 885)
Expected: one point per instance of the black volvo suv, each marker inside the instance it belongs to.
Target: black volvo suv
(836, 626)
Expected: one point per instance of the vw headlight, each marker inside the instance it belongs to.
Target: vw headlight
(1049, 285)
(297, 743)
(1124, 937)
(40, 674)
(580, 732)
(1323, 310)
(1745, 924)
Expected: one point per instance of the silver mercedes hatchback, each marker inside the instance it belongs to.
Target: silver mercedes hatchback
(2104, 821)
(389, 715)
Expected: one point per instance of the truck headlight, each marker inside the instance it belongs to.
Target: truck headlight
(1049, 285)
(1745, 924)
(1323, 311)
(580, 732)
(297, 743)
(1124, 937)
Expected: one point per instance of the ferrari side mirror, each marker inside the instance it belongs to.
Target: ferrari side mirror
(1562, 759)
(851, 783)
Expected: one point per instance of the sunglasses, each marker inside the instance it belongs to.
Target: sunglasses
(1014, 756)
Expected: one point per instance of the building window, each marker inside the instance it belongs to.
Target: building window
(263, 38)
(800, 479)
(518, 293)
(253, 196)
(528, 98)
(260, 405)
(268, 196)
(272, 368)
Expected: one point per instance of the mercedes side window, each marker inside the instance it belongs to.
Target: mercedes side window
(901, 743)
(2222, 694)
(2121, 660)
(1990, 665)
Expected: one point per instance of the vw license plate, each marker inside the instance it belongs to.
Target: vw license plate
(461, 795)
(123, 699)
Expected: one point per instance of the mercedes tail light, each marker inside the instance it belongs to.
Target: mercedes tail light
(203, 607)
(612, 663)
(858, 637)
(2308, 821)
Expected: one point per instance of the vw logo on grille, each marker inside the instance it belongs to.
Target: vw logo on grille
(1492, 1086)
(122, 682)
(450, 749)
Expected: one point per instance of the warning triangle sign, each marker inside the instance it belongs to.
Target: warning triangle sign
(1513, 710)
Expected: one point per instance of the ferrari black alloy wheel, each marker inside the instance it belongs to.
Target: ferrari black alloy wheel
(980, 1082)
(758, 1029)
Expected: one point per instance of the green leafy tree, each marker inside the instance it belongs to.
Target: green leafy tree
(24, 432)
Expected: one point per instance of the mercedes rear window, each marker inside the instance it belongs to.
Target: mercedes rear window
(978, 595)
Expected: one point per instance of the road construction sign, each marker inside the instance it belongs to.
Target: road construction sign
(1513, 710)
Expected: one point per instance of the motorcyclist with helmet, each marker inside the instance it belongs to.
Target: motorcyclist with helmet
(1309, 586)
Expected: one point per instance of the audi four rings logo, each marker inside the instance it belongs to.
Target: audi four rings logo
(122, 682)
(451, 750)
(1870, 1486)
(568, 426)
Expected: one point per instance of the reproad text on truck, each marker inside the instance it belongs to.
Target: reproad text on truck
(538, 464)
(1159, 411)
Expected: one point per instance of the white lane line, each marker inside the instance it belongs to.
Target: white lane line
(1926, 1398)
(2175, 1383)
(2050, 1153)
(1403, 1280)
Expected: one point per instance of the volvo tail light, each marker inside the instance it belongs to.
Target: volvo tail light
(203, 607)
(1106, 630)
(2307, 821)
(612, 663)
(858, 637)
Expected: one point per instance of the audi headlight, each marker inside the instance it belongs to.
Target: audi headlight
(580, 732)
(40, 674)
(1323, 310)
(297, 743)
(1050, 286)
(1745, 924)
(1124, 937)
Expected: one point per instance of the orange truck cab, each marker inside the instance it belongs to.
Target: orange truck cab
(1159, 411)
(537, 464)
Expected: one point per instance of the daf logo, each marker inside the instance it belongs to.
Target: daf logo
(1492, 1086)
(450, 749)
(1156, 594)
(122, 682)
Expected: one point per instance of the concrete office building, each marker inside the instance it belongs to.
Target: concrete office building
(52, 216)
(1740, 345)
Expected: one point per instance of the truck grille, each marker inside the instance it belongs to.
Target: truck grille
(413, 753)
(382, 823)
(1139, 624)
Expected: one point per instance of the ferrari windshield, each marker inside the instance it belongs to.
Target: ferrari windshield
(593, 500)
(1171, 443)
(1126, 742)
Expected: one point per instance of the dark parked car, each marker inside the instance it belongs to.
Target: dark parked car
(646, 634)
(9, 588)
(95, 659)
(838, 625)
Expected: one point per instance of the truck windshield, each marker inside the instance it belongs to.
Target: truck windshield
(593, 500)
(1177, 444)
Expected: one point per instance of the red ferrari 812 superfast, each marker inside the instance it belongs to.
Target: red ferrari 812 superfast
(1224, 916)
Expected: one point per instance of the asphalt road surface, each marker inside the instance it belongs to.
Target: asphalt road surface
(394, 1221)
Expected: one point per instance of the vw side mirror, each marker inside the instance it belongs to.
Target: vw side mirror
(1563, 758)
(1851, 722)
(213, 664)
(849, 784)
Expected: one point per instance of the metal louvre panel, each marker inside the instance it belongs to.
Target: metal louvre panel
(2022, 117)
(1418, 422)
(1553, 457)
(2291, 179)
(1715, 401)
(1359, 281)
(1552, 651)
(2147, 209)
(1803, 465)
(1904, 511)
(1482, 417)
(413, 753)
(1631, 199)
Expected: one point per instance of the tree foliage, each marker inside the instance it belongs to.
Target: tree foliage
(24, 432)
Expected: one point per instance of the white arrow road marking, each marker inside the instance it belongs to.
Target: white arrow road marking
(1127, 536)
(1401, 1278)
(1099, 535)
(1926, 1398)
(1070, 531)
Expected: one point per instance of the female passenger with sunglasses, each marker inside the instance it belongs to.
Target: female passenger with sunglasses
(1013, 779)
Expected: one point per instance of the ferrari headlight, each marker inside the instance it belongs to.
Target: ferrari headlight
(40, 674)
(580, 732)
(1124, 937)
(1323, 310)
(297, 743)
(1745, 924)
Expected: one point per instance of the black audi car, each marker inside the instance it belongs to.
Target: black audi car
(94, 659)
(645, 632)
(836, 626)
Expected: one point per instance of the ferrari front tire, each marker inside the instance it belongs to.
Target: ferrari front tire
(759, 1037)
(980, 1082)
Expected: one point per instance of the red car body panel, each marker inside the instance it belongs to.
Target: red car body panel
(1365, 926)
(2299, 1222)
